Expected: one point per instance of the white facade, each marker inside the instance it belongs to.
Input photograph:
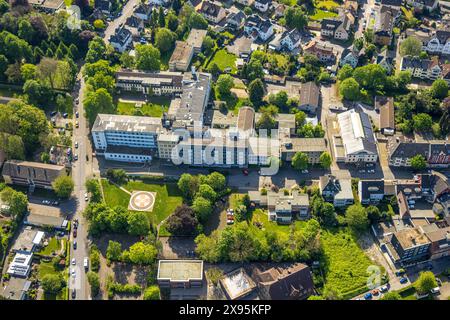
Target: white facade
(357, 137)
(262, 5)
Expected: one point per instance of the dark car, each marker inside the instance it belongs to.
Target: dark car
(65, 115)
(74, 293)
(74, 245)
(75, 233)
(403, 280)
(53, 113)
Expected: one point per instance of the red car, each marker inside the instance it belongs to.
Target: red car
(245, 172)
(75, 233)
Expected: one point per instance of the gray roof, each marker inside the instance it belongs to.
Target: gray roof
(32, 170)
(112, 122)
(309, 94)
(120, 36)
(194, 98)
(369, 187)
(174, 79)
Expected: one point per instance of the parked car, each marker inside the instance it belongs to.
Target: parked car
(403, 280)
(305, 171)
(86, 263)
(75, 233)
(368, 296)
(55, 203)
(77, 114)
(77, 124)
(86, 197)
(73, 273)
(375, 292)
(436, 290)
(245, 172)
(76, 144)
(77, 100)
(75, 157)
(384, 288)
(74, 293)
(74, 245)
(74, 261)
(53, 113)
(65, 115)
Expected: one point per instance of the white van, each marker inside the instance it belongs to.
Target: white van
(435, 290)
(86, 263)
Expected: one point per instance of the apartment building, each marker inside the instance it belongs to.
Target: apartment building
(181, 56)
(427, 69)
(150, 83)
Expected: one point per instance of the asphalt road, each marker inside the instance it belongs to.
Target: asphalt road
(83, 169)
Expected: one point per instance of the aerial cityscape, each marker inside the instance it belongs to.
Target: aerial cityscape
(235, 150)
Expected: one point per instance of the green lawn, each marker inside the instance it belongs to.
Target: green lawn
(321, 14)
(261, 217)
(327, 4)
(345, 264)
(168, 197)
(155, 108)
(224, 59)
(233, 102)
(54, 245)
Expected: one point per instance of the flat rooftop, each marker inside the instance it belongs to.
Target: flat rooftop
(237, 284)
(180, 270)
(111, 122)
(411, 237)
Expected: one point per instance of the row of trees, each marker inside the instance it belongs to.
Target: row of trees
(244, 242)
(102, 218)
(300, 160)
(356, 84)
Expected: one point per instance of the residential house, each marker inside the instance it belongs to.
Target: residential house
(31, 174)
(281, 207)
(408, 246)
(357, 136)
(420, 5)
(439, 235)
(103, 5)
(401, 150)
(212, 11)
(386, 61)
(262, 5)
(121, 39)
(291, 40)
(135, 25)
(426, 69)
(384, 26)
(257, 27)
(392, 3)
(338, 191)
(312, 147)
(247, 3)
(143, 12)
(439, 43)
(446, 72)
(309, 97)
(370, 191)
(235, 20)
(350, 56)
(323, 52)
(385, 106)
(338, 28)
(49, 6)
(291, 282)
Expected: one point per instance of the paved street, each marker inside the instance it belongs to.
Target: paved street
(82, 169)
(127, 11)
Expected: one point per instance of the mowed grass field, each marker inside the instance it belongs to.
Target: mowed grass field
(224, 60)
(155, 108)
(168, 197)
